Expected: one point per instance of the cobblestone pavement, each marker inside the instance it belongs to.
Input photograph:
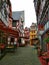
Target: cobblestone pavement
(22, 56)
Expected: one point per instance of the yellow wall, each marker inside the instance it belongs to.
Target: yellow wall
(33, 35)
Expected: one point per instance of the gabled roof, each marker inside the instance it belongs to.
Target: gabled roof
(17, 15)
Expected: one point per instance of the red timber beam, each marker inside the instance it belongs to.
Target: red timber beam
(8, 30)
(12, 32)
(2, 26)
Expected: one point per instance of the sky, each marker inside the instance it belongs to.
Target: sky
(28, 7)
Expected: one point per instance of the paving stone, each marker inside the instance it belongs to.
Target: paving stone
(22, 56)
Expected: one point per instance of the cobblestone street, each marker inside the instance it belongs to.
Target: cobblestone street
(22, 56)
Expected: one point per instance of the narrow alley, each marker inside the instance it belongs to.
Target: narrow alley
(24, 32)
(22, 56)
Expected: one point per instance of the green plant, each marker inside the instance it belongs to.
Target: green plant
(46, 39)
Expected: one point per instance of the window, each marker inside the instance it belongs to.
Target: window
(14, 24)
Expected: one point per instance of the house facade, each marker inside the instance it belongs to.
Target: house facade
(42, 14)
(33, 33)
(6, 31)
(19, 16)
(27, 35)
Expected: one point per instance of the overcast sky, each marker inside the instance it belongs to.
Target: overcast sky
(28, 7)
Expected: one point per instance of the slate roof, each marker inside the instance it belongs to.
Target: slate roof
(17, 14)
